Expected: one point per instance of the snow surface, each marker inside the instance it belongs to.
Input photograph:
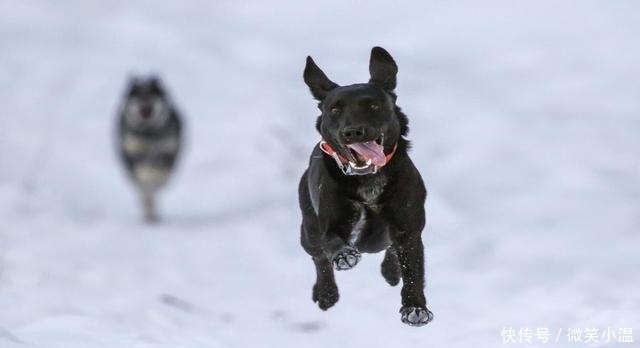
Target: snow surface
(525, 120)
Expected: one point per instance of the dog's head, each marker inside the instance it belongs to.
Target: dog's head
(360, 122)
(146, 104)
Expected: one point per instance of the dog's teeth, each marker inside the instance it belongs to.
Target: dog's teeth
(369, 162)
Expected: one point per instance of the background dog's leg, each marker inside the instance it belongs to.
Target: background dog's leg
(149, 205)
(390, 267)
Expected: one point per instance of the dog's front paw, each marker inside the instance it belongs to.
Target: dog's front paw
(346, 258)
(325, 294)
(416, 316)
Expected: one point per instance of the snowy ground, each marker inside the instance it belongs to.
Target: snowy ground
(525, 122)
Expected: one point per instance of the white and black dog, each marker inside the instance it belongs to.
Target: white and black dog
(361, 192)
(149, 138)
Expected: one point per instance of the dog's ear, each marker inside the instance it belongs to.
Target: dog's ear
(318, 82)
(155, 84)
(133, 82)
(154, 80)
(383, 69)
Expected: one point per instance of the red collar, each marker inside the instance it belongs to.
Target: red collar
(348, 167)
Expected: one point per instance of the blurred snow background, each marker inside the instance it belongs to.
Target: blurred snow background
(525, 119)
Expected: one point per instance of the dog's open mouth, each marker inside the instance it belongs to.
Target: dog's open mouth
(359, 158)
(367, 153)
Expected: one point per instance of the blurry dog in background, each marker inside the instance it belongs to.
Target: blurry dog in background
(149, 138)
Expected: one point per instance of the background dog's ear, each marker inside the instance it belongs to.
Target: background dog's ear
(383, 69)
(133, 82)
(154, 80)
(155, 84)
(318, 82)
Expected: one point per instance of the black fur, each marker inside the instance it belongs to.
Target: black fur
(343, 215)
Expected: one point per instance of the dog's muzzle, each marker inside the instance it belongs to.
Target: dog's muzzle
(350, 167)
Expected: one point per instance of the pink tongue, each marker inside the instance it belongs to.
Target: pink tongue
(370, 150)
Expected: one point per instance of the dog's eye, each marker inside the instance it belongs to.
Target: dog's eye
(374, 107)
(335, 110)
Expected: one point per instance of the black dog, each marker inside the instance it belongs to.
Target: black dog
(149, 138)
(361, 192)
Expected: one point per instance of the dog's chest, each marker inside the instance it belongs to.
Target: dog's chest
(370, 190)
(137, 145)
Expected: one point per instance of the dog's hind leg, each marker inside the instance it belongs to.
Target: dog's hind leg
(325, 290)
(390, 267)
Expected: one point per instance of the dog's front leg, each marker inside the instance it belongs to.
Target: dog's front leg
(408, 221)
(342, 255)
(414, 309)
(148, 203)
(337, 225)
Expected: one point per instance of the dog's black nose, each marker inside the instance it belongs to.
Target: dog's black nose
(354, 134)
(145, 111)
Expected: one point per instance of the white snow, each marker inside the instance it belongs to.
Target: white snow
(525, 120)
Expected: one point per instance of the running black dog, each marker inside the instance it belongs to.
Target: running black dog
(361, 192)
